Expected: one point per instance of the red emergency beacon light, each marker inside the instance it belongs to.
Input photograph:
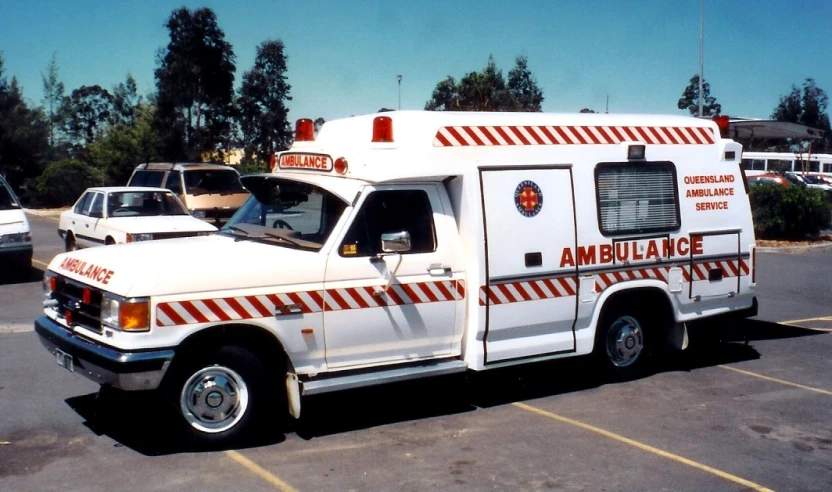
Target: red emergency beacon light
(304, 130)
(722, 123)
(382, 129)
(273, 162)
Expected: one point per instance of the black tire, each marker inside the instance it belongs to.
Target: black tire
(220, 395)
(109, 241)
(624, 341)
(70, 244)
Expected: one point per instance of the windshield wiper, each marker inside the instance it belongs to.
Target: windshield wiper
(278, 236)
(235, 229)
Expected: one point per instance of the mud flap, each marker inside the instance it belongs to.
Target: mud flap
(677, 336)
(293, 394)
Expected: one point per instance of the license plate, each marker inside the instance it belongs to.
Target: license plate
(64, 360)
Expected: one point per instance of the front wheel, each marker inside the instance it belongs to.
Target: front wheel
(220, 396)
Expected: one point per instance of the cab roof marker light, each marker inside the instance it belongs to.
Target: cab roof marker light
(341, 165)
(382, 129)
(635, 152)
(304, 130)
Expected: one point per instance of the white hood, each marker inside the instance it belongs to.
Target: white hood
(189, 265)
(160, 223)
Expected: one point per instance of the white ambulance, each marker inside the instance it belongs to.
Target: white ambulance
(415, 244)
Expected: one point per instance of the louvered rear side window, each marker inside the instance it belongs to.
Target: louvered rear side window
(637, 197)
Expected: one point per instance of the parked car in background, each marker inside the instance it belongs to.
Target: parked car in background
(812, 181)
(112, 215)
(15, 234)
(212, 192)
(770, 178)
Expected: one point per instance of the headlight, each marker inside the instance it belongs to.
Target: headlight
(144, 236)
(126, 314)
(199, 214)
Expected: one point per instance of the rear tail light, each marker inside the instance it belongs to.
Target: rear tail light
(753, 265)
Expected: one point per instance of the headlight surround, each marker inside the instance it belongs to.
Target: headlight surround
(142, 236)
(125, 314)
(18, 237)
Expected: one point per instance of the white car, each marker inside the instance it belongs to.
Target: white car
(15, 235)
(115, 215)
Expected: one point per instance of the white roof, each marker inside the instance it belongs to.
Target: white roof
(117, 189)
(431, 145)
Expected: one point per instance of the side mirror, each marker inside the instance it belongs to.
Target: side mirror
(395, 242)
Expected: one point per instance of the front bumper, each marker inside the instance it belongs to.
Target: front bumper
(129, 371)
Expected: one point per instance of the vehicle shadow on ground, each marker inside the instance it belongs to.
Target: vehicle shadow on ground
(135, 419)
(24, 277)
(144, 422)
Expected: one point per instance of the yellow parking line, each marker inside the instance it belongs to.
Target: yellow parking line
(645, 447)
(38, 262)
(821, 318)
(259, 471)
(775, 380)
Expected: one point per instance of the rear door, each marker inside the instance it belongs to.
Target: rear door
(530, 301)
(716, 265)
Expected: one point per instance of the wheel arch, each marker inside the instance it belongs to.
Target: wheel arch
(647, 293)
(258, 340)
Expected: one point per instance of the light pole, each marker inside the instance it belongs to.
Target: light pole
(399, 78)
(701, 54)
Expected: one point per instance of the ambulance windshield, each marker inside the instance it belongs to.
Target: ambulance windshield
(286, 213)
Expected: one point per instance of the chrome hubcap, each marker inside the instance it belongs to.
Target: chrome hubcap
(214, 399)
(625, 341)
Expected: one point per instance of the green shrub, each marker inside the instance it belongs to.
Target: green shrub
(63, 182)
(789, 212)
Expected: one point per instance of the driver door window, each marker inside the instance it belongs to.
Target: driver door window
(391, 211)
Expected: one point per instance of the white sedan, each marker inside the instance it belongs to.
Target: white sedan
(114, 215)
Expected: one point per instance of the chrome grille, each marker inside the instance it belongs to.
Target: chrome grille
(173, 235)
(70, 297)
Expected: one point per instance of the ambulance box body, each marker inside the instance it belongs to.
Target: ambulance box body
(415, 244)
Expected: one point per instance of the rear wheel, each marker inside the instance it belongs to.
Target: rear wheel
(219, 396)
(623, 341)
(109, 241)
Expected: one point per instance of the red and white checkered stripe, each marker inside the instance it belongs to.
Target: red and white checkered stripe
(604, 280)
(313, 301)
(462, 136)
(730, 268)
(397, 295)
(534, 290)
(567, 286)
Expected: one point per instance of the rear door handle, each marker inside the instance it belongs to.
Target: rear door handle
(439, 269)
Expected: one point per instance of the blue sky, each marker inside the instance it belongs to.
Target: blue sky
(344, 55)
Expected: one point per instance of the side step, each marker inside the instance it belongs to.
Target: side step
(383, 376)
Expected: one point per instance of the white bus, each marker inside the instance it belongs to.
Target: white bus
(756, 163)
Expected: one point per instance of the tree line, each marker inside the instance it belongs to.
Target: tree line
(95, 135)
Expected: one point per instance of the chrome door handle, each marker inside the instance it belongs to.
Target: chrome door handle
(438, 269)
(287, 309)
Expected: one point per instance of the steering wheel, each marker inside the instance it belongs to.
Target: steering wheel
(281, 224)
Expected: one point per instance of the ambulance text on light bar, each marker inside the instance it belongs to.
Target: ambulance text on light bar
(307, 162)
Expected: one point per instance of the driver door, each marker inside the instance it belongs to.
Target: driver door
(416, 317)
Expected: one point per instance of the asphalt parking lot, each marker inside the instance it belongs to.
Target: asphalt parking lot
(750, 411)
